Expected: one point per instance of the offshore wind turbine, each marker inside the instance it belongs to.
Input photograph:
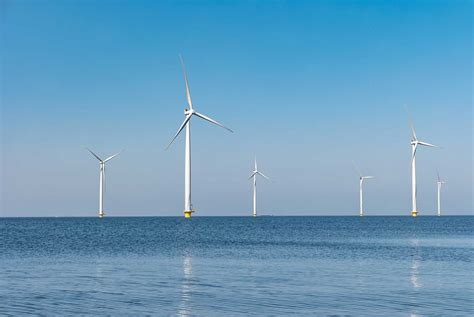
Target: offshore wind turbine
(188, 114)
(102, 180)
(361, 189)
(414, 145)
(439, 182)
(254, 176)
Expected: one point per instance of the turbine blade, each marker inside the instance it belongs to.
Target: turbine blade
(188, 93)
(411, 123)
(437, 173)
(261, 174)
(100, 160)
(252, 175)
(366, 177)
(427, 144)
(414, 152)
(211, 120)
(180, 129)
(255, 163)
(357, 169)
(413, 131)
(111, 157)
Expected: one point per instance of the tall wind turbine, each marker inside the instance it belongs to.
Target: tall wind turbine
(414, 145)
(188, 113)
(439, 182)
(102, 180)
(254, 176)
(361, 189)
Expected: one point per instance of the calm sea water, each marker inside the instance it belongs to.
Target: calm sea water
(226, 266)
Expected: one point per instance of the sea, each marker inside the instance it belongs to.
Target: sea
(237, 266)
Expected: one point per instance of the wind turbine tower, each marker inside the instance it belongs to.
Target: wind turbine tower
(102, 180)
(254, 176)
(188, 113)
(414, 145)
(440, 183)
(361, 189)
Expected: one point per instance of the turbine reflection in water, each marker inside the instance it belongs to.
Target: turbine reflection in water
(415, 265)
(186, 287)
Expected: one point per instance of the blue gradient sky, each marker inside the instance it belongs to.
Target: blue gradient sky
(307, 86)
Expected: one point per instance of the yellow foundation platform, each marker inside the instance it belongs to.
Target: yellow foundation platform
(414, 213)
(187, 213)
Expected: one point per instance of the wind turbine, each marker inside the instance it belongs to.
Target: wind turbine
(102, 180)
(188, 113)
(254, 176)
(414, 145)
(361, 189)
(439, 182)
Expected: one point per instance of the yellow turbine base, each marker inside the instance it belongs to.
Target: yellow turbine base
(187, 213)
(414, 213)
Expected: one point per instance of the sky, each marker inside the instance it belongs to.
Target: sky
(307, 86)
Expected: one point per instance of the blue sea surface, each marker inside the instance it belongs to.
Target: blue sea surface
(229, 266)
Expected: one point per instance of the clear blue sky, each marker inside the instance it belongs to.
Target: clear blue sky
(307, 86)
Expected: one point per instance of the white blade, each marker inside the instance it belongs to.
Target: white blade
(437, 173)
(188, 93)
(357, 169)
(365, 177)
(255, 163)
(111, 157)
(94, 154)
(211, 120)
(263, 175)
(252, 175)
(427, 144)
(413, 131)
(414, 152)
(180, 129)
(411, 123)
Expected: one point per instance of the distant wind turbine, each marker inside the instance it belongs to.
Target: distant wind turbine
(254, 176)
(102, 180)
(414, 144)
(439, 182)
(188, 113)
(361, 189)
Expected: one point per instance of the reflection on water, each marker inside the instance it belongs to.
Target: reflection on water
(415, 280)
(415, 265)
(186, 287)
(415, 275)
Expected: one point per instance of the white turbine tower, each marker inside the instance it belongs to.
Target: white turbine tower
(188, 113)
(414, 145)
(254, 176)
(439, 182)
(361, 189)
(102, 180)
